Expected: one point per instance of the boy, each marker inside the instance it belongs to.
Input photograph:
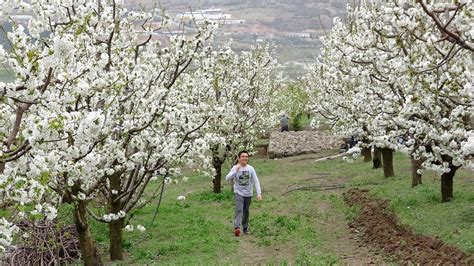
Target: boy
(245, 178)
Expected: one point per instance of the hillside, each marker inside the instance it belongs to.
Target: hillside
(293, 27)
(279, 15)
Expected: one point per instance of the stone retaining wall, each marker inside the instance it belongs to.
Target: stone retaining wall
(283, 144)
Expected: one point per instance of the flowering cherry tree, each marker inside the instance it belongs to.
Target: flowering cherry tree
(109, 110)
(243, 88)
(405, 82)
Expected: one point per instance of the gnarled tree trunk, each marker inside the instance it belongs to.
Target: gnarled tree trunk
(89, 252)
(367, 154)
(116, 239)
(387, 156)
(377, 160)
(217, 164)
(447, 184)
(367, 151)
(116, 226)
(415, 176)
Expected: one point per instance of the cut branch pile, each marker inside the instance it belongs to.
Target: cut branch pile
(45, 243)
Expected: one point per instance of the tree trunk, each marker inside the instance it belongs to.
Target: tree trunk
(89, 252)
(116, 226)
(217, 163)
(116, 239)
(377, 160)
(367, 154)
(415, 176)
(387, 156)
(447, 184)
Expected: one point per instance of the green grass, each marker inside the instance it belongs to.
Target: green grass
(300, 227)
(183, 231)
(199, 230)
(305, 121)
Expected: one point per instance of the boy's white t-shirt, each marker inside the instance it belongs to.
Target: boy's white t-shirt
(244, 180)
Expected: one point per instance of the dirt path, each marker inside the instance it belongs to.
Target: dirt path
(252, 253)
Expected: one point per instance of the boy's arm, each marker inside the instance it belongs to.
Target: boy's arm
(257, 184)
(231, 174)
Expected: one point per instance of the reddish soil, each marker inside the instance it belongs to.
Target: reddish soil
(378, 227)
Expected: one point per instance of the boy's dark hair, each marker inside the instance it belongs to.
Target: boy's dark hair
(241, 152)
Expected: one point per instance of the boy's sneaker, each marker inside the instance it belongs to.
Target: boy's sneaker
(246, 231)
(237, 231)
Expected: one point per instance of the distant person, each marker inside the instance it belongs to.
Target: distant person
(354, 141)
(245, 178)
(284, 122)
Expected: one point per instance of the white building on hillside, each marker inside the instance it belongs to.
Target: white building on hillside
(213, 14)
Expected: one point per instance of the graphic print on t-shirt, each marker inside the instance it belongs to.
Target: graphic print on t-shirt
(244, 178)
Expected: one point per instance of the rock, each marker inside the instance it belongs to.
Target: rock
(284, 144)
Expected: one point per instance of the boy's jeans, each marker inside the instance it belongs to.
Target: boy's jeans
(242, 205)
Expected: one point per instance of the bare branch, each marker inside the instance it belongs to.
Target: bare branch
(454, 37)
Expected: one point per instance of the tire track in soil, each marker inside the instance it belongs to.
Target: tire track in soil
(378, 227)
(340, 241)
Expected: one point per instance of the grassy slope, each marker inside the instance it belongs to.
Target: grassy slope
(305, 223)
